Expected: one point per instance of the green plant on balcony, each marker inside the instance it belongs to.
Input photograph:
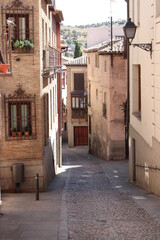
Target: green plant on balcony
(22, 44)
(28, 44)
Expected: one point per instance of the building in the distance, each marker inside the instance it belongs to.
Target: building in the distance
(107, 92)
(98, 35)
(77, 109)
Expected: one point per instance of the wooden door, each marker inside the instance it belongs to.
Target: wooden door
(80, 136)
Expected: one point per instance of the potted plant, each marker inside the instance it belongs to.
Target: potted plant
(4, 67)
(26, 131)
(19, 132)
(23, 45)
(16, 44)
(14, 132)
(28, 45)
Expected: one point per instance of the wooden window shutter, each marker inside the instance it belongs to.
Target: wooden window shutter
(79, 81)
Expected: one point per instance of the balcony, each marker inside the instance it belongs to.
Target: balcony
(51, 59)
(79, 104)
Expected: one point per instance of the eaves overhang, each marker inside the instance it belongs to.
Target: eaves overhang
(58, 15)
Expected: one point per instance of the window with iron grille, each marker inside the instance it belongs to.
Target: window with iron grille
(20, 115)
(79, 106)
(21, 18)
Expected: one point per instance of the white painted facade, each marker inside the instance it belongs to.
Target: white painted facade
(145, 123)
(99, 34)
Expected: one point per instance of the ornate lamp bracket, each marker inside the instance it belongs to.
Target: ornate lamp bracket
(145, 46)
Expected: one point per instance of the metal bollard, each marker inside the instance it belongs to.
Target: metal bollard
(37, 186)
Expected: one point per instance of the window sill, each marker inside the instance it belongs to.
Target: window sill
(8, 74)
(30, 137)
(137, 115)
(23, 51)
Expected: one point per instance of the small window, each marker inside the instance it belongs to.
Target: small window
(96, 93)
(97, 60)
(104, 106)
(105, 66)
(88, 60)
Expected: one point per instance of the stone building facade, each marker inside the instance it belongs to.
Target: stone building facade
(77, 114)
(107, 88)
(29, 90)
(144, 97)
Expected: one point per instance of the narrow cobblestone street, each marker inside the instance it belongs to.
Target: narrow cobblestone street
(90, 199)
(96, 209)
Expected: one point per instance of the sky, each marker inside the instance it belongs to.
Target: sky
(82, 12)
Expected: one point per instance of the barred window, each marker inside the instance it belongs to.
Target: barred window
(21, 17)
(20, 115)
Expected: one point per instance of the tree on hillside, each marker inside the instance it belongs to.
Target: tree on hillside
(69, 41)
(77, 51)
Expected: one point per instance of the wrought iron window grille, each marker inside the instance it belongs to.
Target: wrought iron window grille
(20, 115)
(22, 31)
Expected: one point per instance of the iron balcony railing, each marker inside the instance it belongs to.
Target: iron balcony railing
(51, 58)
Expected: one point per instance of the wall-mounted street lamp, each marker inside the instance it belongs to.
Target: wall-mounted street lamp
(130, 31)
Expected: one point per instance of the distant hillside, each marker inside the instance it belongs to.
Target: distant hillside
(79, 32)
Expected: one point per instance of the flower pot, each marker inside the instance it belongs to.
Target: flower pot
(26, 133)
(14, 134)
(4, 68)
(19, 134)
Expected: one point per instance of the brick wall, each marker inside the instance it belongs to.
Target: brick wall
(27, 71)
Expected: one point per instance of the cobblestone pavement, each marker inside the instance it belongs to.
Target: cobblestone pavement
(94, 209)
